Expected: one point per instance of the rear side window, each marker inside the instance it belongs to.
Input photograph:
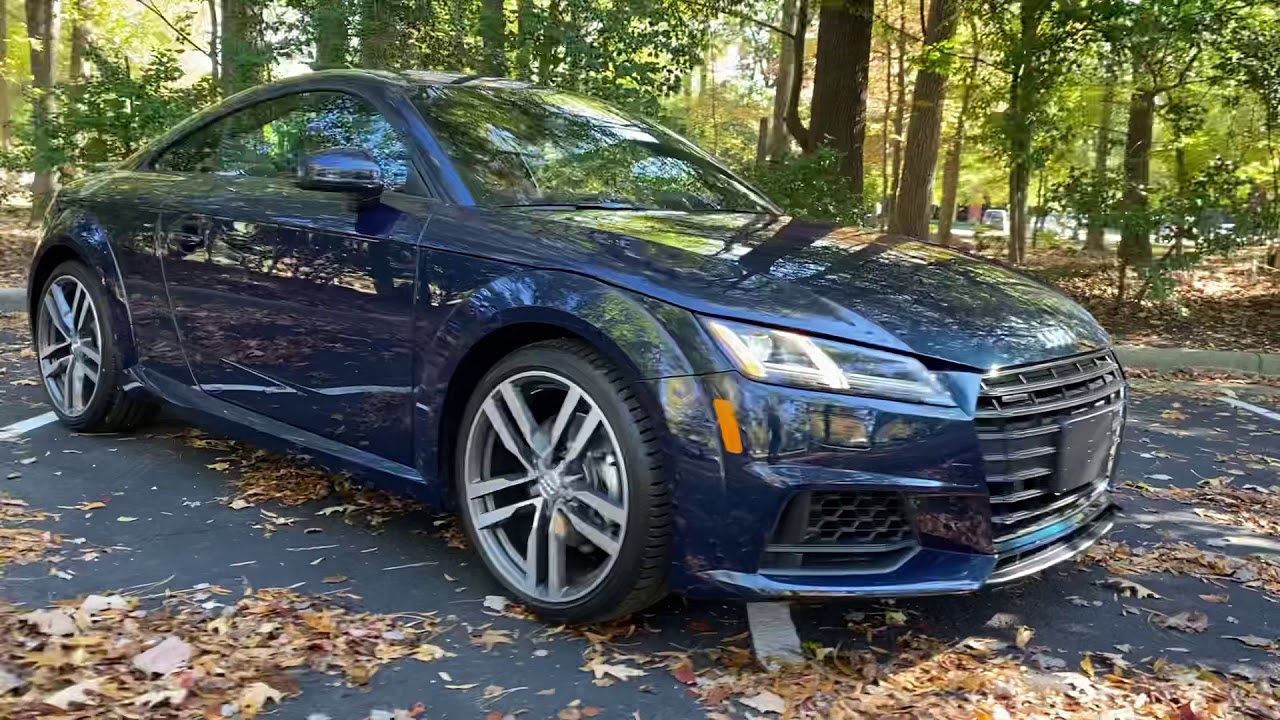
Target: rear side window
(270, 139)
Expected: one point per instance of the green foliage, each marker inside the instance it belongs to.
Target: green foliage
(112, 115)
(812, 188)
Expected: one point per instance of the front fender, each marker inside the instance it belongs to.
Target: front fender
(76, 233)
(647, 338)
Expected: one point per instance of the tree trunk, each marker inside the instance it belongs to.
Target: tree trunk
(1019, 180)
(1095, 239)
(1023, 89)
(550, 41)
(6, 109)
(884, 134)
(924, 134)
(493, 31)
(526, 37)
(244, 54)
(899, 108)
(795, 126)
(840, 83)
(76, 71)
(782, 85)
(333, 34)
(215, 62)
(43, 18)
(951, 170)
(1135, 240)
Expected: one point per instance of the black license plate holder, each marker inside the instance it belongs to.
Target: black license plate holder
(1084, 446)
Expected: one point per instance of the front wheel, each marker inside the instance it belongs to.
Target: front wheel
(79, 362)
(560, 482)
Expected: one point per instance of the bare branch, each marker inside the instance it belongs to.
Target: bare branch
(185, 37)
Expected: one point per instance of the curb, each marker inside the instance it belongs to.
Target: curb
(13, 299)
(1152, 358)
(1135, 356)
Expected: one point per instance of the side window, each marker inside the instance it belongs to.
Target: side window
(269, 139)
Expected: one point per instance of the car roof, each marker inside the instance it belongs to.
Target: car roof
(407, 78)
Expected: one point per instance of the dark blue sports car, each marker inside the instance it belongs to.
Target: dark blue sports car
(615, 359)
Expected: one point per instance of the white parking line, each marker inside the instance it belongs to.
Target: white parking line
(26, 426)
(1252, 408)
(773, 634)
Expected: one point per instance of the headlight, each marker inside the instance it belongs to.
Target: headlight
(787, 358)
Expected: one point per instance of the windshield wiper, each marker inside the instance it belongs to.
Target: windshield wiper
(579, 206)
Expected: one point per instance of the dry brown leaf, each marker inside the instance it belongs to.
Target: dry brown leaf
(77, 694)
(1129, 588)
(170, 655)
(1251, 640)
(621, 672)
(1190, 621)
(1023, 636)
(489, 637)
(254, 697)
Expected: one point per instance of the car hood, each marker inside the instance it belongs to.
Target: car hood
(844, 283)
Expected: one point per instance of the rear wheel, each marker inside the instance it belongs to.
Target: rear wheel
(560, 483)
(78, 359)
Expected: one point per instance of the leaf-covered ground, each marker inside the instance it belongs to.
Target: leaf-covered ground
(17, 242)
(170, 573)
(1227, 304)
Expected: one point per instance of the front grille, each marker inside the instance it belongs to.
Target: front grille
(841, 532)
(1021, 412)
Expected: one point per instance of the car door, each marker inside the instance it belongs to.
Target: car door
(296, 303)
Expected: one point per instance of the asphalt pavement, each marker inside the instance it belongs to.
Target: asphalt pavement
(183, 533)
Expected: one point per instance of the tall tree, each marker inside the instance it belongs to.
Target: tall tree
(899, 105)
(924, 133)
(782, 82)
(6, 108)
(79, 41)
(839, 110)
(333, 34)
(951, 169)
(43, 19)
(493, 32)
(215, 58)
(1095, 237)
(245, 57)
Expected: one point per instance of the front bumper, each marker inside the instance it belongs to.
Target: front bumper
(950, 467)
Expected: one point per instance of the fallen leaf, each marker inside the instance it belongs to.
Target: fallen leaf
(467, 686)
(590, 711)
(10, 682)
(170, 655)
(430, 653)
(255, 696)
(621, 672)
(1002, 620)
(95, 604)
(1215, 598)
(765, 701)
(1186, 621)
(74, 694)
(1023, 637)
(336, 509)
(490, 637)
(96, 505)
(1251, 640)
(1160, 477)
(240, 504)
(125, 518)
(1173, 415)
(219, 466)
(335, 579)
(1087, 666)
(172, 698)
(1129, 588)
(496, 602)
(684, 673)
(56, 622)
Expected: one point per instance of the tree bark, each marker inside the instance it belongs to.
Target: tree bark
(924, 133)
(951, 170)
(525, 38)
(493, 32)
(6, 109)
(884, 133)
(333, 34)
(1022, 98)
(43, 17)
(1135, 240)
(838, 113)
(1095, 238)
(899, 108)
(782, 85)
(76, 71)
(215, 61)
(795, 125)
(244, 54)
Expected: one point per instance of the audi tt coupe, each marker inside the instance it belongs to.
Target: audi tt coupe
(624, 368)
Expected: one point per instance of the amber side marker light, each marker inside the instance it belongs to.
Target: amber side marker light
(730, 433)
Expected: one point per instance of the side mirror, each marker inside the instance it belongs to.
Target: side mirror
(346, 170)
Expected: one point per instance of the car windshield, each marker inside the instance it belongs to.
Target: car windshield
(532, 147)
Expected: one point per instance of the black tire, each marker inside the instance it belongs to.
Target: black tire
(110, 409)
(638, 577)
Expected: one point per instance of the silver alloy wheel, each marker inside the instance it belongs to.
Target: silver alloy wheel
(546, 489)
(70, 345)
